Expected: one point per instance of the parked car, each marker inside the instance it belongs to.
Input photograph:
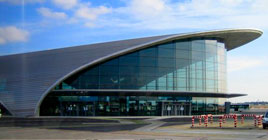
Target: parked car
(265, 120)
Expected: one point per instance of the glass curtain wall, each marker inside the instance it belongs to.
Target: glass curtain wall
(129, 106)
(186, 65)
(194, 65)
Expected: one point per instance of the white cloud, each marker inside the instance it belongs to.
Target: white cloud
(79, 12)
(205, 14)
(66, 4)
(46, 12)
(242, 63)
(147, 8)
(13, 34)
(89, 13)
(23, 1)
(168, 14)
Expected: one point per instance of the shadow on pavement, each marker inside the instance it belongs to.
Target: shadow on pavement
(104, 128)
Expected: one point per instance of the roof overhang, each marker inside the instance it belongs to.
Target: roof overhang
(86, 92)
(233, 38)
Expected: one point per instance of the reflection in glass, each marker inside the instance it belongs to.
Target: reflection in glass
(183, 65)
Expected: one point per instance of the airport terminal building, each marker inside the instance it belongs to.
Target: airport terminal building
(178, 74)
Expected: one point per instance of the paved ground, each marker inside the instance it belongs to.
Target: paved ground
(145, 129)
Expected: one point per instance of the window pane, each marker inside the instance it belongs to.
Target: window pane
(199, 83)
(148, 61)
(183, 45)
(209, 66)
(165, 53)
(170, 80)
(199, 65)
(211, 46)
(108, 70)
(92, 71)
(147, 71)
(198, 55)
(128, 70)
(182, 72)
(166, 62)
(211, 57)
(181, 82)
(129, 61)
(151, 85)
(128, 80)
(182, 54)
(181, 63)
(148, 52)
(198, 45)
(162, 81)
(192, 83)
(199, 74)
(167, 46)
(192, 73)
(210, 75)
(210, 84)
(163, 71)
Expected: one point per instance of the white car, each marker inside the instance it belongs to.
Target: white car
(265, 120)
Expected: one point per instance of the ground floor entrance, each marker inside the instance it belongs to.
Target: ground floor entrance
(176, 108)
(128, 106)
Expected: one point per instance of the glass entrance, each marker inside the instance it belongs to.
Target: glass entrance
(176, 108)
(77, 109)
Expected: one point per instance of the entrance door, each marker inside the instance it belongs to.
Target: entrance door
(176, 109)
(77, 109)
(181, 110)
(169, 110)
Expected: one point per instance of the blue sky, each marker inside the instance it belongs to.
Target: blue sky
(32, 25)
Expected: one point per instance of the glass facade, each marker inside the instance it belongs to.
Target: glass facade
(192, 65)
(189, 65)
(129, 106)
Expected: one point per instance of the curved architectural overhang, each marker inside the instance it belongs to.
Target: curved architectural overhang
(232, 38)
(83, 92)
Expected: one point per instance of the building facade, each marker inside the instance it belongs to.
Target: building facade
(183, 74)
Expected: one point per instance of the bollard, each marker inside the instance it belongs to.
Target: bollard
(255, 123)
(193, 121)
(211, 119)
(235, 120)
(206, 120)
(223, 120)
(200, 120)
(242, 119)
(259, 120)
(220, 121)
